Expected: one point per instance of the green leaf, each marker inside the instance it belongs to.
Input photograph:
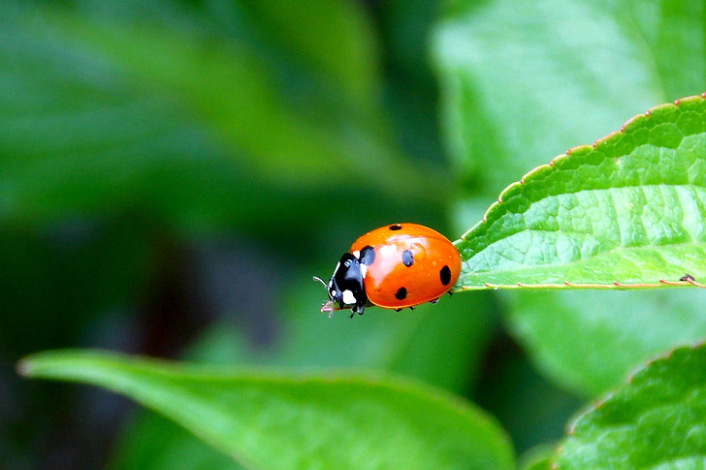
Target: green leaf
(441, 345)
(588, 343)
(523, 81)
(627, 211)
(285, 420)
(537, 458)
(533, 86)
(152, 442)
(654, 421)
(539, 464)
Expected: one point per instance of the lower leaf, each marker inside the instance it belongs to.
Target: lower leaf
(655, 421)
(284, 420)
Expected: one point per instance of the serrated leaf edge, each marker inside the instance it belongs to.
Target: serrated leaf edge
(686, 281)
(530, 174)
(659, 357)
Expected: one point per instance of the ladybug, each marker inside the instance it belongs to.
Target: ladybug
(393, 267)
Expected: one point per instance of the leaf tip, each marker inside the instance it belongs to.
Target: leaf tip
(24, 368)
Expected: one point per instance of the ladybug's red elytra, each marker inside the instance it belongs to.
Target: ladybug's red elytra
(393, 267)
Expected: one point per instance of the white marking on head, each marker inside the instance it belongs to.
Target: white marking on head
(348, 297)
(356, 254)
(363, 270)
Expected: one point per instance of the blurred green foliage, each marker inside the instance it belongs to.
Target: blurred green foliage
(172, 173)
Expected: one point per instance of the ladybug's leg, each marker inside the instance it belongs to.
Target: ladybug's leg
(358, 308)
(434, 301)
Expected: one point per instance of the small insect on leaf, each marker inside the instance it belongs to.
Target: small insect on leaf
(393, 267)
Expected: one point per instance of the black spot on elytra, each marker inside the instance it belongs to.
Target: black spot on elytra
(367, 255)
(401, 293)
(445, 275)
(407, 258)
(395, 227)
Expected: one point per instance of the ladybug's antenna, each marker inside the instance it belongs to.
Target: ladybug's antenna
(321, 281)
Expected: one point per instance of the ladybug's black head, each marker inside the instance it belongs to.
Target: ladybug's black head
(346, 285)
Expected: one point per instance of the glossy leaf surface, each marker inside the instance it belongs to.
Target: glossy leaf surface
(653, 421)
(628, 211)
(286, 420)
